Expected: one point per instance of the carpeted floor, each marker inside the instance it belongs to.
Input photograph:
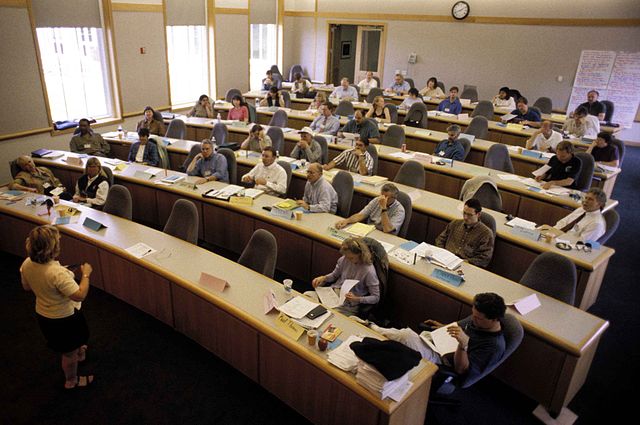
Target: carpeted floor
(149, 374)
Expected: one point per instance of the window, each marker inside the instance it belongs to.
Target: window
(263, 52)
(75, 72)
(187, 56)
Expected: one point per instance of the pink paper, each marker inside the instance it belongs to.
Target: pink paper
(212, 282)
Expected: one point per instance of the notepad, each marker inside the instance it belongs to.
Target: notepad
(374, 180)
(360, 229)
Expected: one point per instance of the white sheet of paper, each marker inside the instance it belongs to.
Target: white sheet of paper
(541, 171)
(269, 301)
(307, 323)
(346, 287)
(527, 304)
(522, 223)
(328, 296)
(399, 392)
(388, 247)
(297, 307)
(422, 250)
(402, 155)
(152, 171)
(509, 177)
(140, 250)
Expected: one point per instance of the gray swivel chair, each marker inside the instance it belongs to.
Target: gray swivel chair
(279, 119)
(583, 181)
(441, 85)
(220, 133)
(612, 220)
(412, 84)
(411, 174)
(232, 165)
(621, 149)
(324, 148)
(488, 220)
(394, 136)
(287, 98)
(378, 81)
(479, 127)
(287, 169)
(343, 185)
(230, 93)
(466, 144)
(497, 158)
(544, 104)
(374, 155)
(195, 150)
(376, 91)
(469, 92)
(405, 201)
(275, 70)
(176, 129)
(355, 86)
(554, 275)
(417, 113)
(345, 108)
(119, 202)
(608, 114)
(393, 112)
(484, 108)
(277, 138)
(261, 253)
(277, 81)
(183, 221)
(253, 114)
(294, 69)
(480, 187)
(109, 174)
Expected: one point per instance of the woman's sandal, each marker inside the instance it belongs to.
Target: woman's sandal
(82, 382)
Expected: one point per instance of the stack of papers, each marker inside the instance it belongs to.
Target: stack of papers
(307, 323)
(521, 223)
(402, 155)
(374, 180)
(437, 256)
(360, 229)
(371, 379)
(328, 296)
(343, 357)
(225, 193)
(440, 341)
(253, 193)
(297, 307)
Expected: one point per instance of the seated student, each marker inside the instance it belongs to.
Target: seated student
(268, 175)
(356, 160)
(545, 139)
(319, 195)
(155, 127)
(344, 91)
(468, 238)
(326, 122)
(209, 164)
(565, 168)
(399, 87)
(239, 112)
(368, 83)
(525, 115)
(378, 111)
(384, 211)
(356, 263)
(451, 104)
(202, 108)
(367, 129)
(93, 186)
(268, 81)
(451, 147)
(35, 179)
(143, 151)
(301, 87)
(273, 98)
(88, 142)
(481, 343)
(411, 99)
(432, 89)
(257, 139)
(603, 151)
(503, 99)
(307, 148)
(579, 125)
(320, 98)
(594, 106)
(585, 223)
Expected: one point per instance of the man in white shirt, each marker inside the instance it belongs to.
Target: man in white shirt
(585, 223)
(545, 139)
(345, 91)
(581, 124)
(368, 83)
(326, 122)
(268, 175)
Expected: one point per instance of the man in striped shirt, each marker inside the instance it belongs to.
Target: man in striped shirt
(356, 160)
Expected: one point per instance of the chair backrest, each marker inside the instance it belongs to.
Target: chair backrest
(277, 80)
(375, 91)
(220, 133)
(343, 185)
(355, 86)
(162, 153)
(411, 174)
(109, 174)
(195, 150)
(479, 127)
(378, 81)
(232, 165)
(230, 93)
(441, 85)
(293, 70)
(277, 138)
(488, 220)
(275, 70)
(324, 148)
(287, 98)
(497, 158)
(544, 104)
(480, 187)
(469, 92)
(612, 220)
(608, 114)
(261, 253)
(583, 181)
(393, 112)
(554, 275)
(394, 136)
(417, 113)
(515, 94)
(345, 107)
(380, 261)
(287, 169)
(412, 84)
(484, 108)
(373, 151)
(14, 168)
(183, 221)
(177, 129)
(157, 115)
(405, 201)
(119, 202)
(621, 149)
(466, 144)
(279, 119)
(253, 114)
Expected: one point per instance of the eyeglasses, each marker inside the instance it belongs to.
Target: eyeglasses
(584, 246)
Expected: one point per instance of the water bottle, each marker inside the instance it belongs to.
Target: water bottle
(219, 118)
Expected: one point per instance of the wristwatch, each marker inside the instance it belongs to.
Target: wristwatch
(384, 209)
(464, 347)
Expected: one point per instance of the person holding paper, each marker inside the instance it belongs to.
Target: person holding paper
(580, 125)
(149, 121)
(469, 238)
(319, 195)
(326, 122)
(603, 151)
(36, 179)
(432, 89)
(307, 148)
(257, 139)
(58, 301)
(144, 152)
(209, 164)
(92, 187)
(366, 128)
(88, 142)
(344, 91)
(368, 83)
(385, 212)
(525, 115)
(451, 105)
(356, 264)
(564, 168)
(594, 106)
(451, 147)
(399, 87)
(585, 223)
(268, 175)
(356, 160)
(504, 99)
(411, 99)
(545, 139)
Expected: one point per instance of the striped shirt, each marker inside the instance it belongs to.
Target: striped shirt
(349, 161)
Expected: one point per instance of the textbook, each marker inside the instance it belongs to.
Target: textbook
(374, 180)
(440, 341)
(360, 229)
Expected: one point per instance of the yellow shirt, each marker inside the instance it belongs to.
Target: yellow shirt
(52, 284)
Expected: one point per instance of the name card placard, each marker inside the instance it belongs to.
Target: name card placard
(291, 328)
(277, 212)
(532, 154)
(450, 278)
(241, 200)
(533, 234)
(93, 225)
(142, 175)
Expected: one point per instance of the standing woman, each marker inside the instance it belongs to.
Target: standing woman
(239, 111)
(202, 108)
(155, 126)
(58, 301)
(378, 111)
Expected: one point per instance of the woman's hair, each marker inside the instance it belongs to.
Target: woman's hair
(43, 244)
(435, 82)
(378, 98)
(256, 128)
(414, 91)
(357, 246)
(95, 161)
(149, 108)
(237, 96)
(202, 97)
(322, 96)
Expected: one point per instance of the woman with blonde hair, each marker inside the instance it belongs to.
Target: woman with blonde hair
(378, 111)
(92, 187)
(321, 97)
(58, 301)
(356, 263)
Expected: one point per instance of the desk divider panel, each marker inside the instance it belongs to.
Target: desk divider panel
(226, 228)
(145, 206)
(294, 251)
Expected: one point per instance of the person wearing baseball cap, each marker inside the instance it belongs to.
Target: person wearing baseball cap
(307, 148)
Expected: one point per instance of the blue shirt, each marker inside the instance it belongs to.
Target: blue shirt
(454, 107)
(446, 149)
(215, 165)
(531, 115)
(150, 156)
(400, 88)
(367, 129)
(326, 125)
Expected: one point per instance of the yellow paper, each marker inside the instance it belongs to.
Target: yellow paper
(360, 229)
(289, 327)
(121, 167)
(515, 126)
(287, 204)
(241, 200)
